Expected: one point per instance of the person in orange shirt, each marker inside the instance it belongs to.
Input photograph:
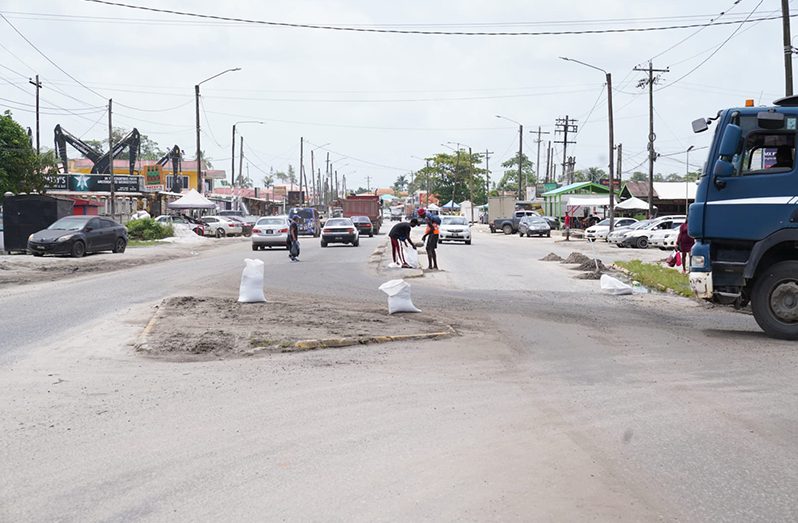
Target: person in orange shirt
(431, 236)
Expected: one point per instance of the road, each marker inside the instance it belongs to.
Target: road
(556, 402)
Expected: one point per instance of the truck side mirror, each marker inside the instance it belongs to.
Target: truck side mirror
(723, 169)
(700, 125)
(769, 120)
(730, 141)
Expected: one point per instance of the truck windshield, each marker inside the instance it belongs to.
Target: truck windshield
(306, 213)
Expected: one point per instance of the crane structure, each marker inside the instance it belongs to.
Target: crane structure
(102, 161)
(176, 156)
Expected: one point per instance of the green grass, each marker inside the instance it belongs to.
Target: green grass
(142, 243)
(658, 277)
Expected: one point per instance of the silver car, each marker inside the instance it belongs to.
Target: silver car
(270, 231)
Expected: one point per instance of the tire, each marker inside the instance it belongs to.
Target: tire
(323, 243)
(254, 247)
(120, 245)
(507, 229)
(220, 233)
(78, 249)
(521, 235)
(37, 254)
(371, 235)
(528, 235)
(468, 242)
(641, 243)
(356, 243)
(548, 234)
(774, 300)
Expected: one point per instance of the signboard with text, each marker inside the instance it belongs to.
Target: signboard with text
(95, 183)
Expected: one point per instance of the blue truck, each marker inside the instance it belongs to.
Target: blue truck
(745, 215)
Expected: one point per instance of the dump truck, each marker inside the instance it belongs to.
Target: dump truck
(364, 205)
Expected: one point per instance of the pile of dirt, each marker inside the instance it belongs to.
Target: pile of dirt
(594, 275)
(576, 257)
(551, 257)
(590, 265)
(189, 328)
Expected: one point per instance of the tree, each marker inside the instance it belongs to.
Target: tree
(401, 184)
(509, 181)
(591, 174)
(454, 177)
(638, 176)
(291, 175)
(280, 175)
(268, 180)
(21, 169)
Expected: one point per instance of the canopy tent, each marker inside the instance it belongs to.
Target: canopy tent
(192, 200)
(387, 197)
(451, 205)
(433, 207)
(633, 204)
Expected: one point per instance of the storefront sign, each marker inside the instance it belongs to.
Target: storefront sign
(95, 183)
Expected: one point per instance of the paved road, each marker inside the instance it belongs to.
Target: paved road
(556, 403)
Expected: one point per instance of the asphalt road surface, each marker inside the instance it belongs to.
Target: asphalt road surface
(556, 402)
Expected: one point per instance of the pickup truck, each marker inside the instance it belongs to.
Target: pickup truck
(745, 216)
(510, 225)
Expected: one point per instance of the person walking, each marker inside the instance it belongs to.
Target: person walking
(431, 235)
(400, 234)
(293, 239)
(684, 244)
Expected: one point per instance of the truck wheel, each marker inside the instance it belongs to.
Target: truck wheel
(507, 228)
(774, 300)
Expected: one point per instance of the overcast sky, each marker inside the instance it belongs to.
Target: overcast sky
(380, 99)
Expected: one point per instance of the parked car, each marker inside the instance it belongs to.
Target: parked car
(271, 231)
(77, 235)
(221, 226)
(602, 228)
(665, 238)
(195, 225)
(554, 223)
(246, 227)
(534, 225)
(509, 225)
(455, 228)
(340, 230)
(363, 224)
(638, 238)
(246, 218)
(617, 235)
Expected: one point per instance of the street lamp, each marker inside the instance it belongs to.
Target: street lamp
(520, 152)
(233, 153)
(686, 181)
(200, 180)
(608, 77)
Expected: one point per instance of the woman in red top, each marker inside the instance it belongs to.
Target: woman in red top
(684, 243)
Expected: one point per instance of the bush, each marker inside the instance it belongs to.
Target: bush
(148, 229)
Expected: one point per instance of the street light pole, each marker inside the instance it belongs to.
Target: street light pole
(686, 180)
(200, 180)
(611, 149)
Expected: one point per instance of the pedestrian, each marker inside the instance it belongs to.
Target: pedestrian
(431, 235)
(293, 239)
(684, 244)
(401, 233)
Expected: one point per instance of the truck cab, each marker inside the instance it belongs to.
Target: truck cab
(745, 216)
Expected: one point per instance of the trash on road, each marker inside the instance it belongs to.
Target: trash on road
(411, 257)
(615, 286)
(251, 289)
(399, 300)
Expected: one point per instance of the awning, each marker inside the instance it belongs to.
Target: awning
(588, 201)
(633, 204)
(192, 200)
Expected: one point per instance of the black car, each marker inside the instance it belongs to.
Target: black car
(77, 235)
(364, 225)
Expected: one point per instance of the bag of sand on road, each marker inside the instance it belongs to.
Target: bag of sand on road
(411, 257)
(615, 286)
(399, 300)
(251, 288)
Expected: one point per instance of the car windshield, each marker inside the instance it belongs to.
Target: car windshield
(641, 225)
(361, 219)
(230, 213)
(338, 222)
(534, 219)
(70, 223)
(271, 221)
(454, 220)
(605, 221)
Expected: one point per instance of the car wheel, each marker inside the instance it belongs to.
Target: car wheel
(642, 243)
(254, 247)
(521, 235)
(78, 249)
(37, 254)
(468, 242)
(507, 229)
(548, 234)
(371, 235)
(120, 245)
(220, 233)
(356, 243)
(323, 243)
(774, 300)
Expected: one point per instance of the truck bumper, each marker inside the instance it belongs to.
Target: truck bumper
(701, 283)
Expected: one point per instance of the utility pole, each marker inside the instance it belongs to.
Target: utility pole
(428, 181)
(652, 155)
(233, 162)
(520, 157)
(241, 163)
(368, 183)
(537, 165)
(611, 152)
(313, 178)
(785, 28)
(337, 193)
(200, 184)
(487, 174)
(548, 162)
(319, 196)
(111, 157)
(302, 166)
(38, 86)
(620, 163)
(565, 125)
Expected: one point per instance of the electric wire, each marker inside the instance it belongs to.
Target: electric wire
(351, 28)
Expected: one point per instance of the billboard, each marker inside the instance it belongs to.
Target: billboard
(95, 183)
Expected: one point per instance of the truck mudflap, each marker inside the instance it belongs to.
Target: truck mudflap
(701, 283)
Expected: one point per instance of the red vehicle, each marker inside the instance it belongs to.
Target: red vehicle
(364, 205)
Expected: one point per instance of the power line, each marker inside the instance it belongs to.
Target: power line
(420, 32)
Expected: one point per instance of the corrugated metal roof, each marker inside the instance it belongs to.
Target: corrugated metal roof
(565, 189)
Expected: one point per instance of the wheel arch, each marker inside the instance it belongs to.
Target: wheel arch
(779, 246)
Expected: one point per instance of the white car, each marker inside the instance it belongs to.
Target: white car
(617, 235)
(602, 228)
(271, 231)
(455, 228)
(220, 226)
(665, 239)
(639, 237)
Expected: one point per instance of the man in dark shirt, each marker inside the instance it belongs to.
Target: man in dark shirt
(401, 233)
(293, 239)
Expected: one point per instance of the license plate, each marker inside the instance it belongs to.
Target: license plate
(269, 231)
(339, 237)
(455, 235)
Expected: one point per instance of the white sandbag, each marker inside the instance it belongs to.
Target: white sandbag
(614, 286)
(411, 257)
(251, 289)
(399, 300)
(394, 265)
